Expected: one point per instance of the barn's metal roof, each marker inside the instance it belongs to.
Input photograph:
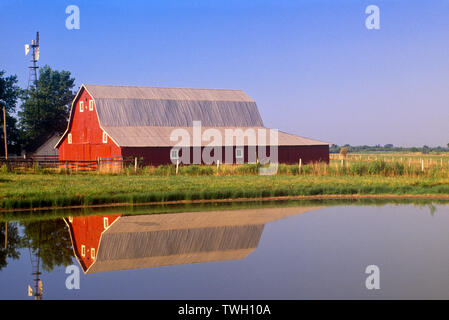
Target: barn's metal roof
(158, 93)
(152, 136)
(134, 250)
(150, 106)
(134, 242)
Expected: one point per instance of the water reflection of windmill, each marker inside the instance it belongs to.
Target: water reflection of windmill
(114, 242)
(35, 258)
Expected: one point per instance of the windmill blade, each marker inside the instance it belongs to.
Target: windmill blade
(30, 291)
(27, 49)
(40, 287)
(37, 38)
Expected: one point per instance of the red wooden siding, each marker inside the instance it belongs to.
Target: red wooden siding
(86, 231)
(87, 136)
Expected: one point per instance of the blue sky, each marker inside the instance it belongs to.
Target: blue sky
(313, 67)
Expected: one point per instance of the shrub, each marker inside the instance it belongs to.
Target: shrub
(358, 168)
(4, 169)
(376, 167)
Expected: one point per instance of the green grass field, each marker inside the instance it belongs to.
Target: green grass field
(59, 190)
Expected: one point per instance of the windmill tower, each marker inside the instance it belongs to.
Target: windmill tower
(32, 77)
(35, 258)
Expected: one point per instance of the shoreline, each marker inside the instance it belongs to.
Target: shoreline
(278, 198)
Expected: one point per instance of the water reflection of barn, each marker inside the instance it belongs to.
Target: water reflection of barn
(114, 242)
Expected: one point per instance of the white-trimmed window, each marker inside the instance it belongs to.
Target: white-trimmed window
(239, 153)
(81, 106)
(105, 137)
(92, 253)
(83, 250)
(174, 154)
(106, 222)
(91, 105)
(69, 138)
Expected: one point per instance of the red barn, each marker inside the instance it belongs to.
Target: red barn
(151, 123)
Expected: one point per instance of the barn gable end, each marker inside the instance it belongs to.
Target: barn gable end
(83, 139)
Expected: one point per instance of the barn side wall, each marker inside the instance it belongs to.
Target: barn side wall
(286, 154)
(308, 154)
(87, 136)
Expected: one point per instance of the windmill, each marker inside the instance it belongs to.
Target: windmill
(34, 47)
(32, 76)
(35, 258)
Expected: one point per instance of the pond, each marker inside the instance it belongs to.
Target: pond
(271, 250)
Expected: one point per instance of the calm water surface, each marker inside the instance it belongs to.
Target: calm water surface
(287, 252)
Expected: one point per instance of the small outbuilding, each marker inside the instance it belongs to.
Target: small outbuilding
(46, 150)
(168, 125)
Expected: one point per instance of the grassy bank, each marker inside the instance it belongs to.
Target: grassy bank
(60, 190)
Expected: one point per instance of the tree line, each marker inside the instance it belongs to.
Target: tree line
(34, 115)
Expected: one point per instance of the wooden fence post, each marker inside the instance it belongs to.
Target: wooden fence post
(177, 165)
(135, 165)
(4, 133)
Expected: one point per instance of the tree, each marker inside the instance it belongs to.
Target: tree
(13, 244)
(52, 238)
(334, 148)
(45, 111)
(9, 93)
(344, 151)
